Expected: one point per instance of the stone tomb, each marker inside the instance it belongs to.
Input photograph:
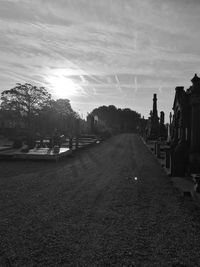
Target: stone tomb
(185, 132)
(36, 154)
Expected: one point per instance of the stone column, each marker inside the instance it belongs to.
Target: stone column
(154, 125)
(155, 112)
(162, 117)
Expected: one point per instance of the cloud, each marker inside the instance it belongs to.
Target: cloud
(115, 48)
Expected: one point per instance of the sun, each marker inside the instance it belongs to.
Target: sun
(62, 86)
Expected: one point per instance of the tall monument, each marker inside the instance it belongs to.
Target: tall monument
(162, 128)
(154, 121)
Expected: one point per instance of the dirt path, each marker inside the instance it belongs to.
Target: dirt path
(90, 211)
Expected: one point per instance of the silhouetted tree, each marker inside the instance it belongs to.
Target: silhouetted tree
(117, 120)
(60, 115)
(26, 100)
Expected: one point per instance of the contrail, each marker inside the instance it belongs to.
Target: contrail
(135, 84)
(118, 83)
(83, 79)
(135, 39)
(94, 91)
(97, 80)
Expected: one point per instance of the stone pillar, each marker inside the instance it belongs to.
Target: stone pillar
(162, 117)
(163, 129)
(155, 112)
(154, 121)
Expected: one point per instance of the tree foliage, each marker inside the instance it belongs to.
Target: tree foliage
(34, 108)
(117, 120)
(59, 115)
(26, 100)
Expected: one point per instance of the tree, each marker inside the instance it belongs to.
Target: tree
(63, 106)
(26, 100)
(58, 115)
(117, 120)
(67, 118)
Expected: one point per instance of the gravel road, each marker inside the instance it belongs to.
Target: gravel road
(108, 205)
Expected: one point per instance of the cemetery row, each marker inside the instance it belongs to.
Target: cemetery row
(38, 127)
(177, 144)
(46, 149)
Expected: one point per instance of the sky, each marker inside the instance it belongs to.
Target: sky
(101, 52)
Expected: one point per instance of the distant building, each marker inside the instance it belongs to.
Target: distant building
(185, 130)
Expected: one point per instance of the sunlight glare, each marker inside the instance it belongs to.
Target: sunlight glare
(62, 86)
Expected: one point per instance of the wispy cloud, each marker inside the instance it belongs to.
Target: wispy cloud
(135, 84)
(101, 46)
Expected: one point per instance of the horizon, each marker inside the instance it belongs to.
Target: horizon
(108, 53)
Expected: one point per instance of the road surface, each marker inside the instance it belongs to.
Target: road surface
(109, 205)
